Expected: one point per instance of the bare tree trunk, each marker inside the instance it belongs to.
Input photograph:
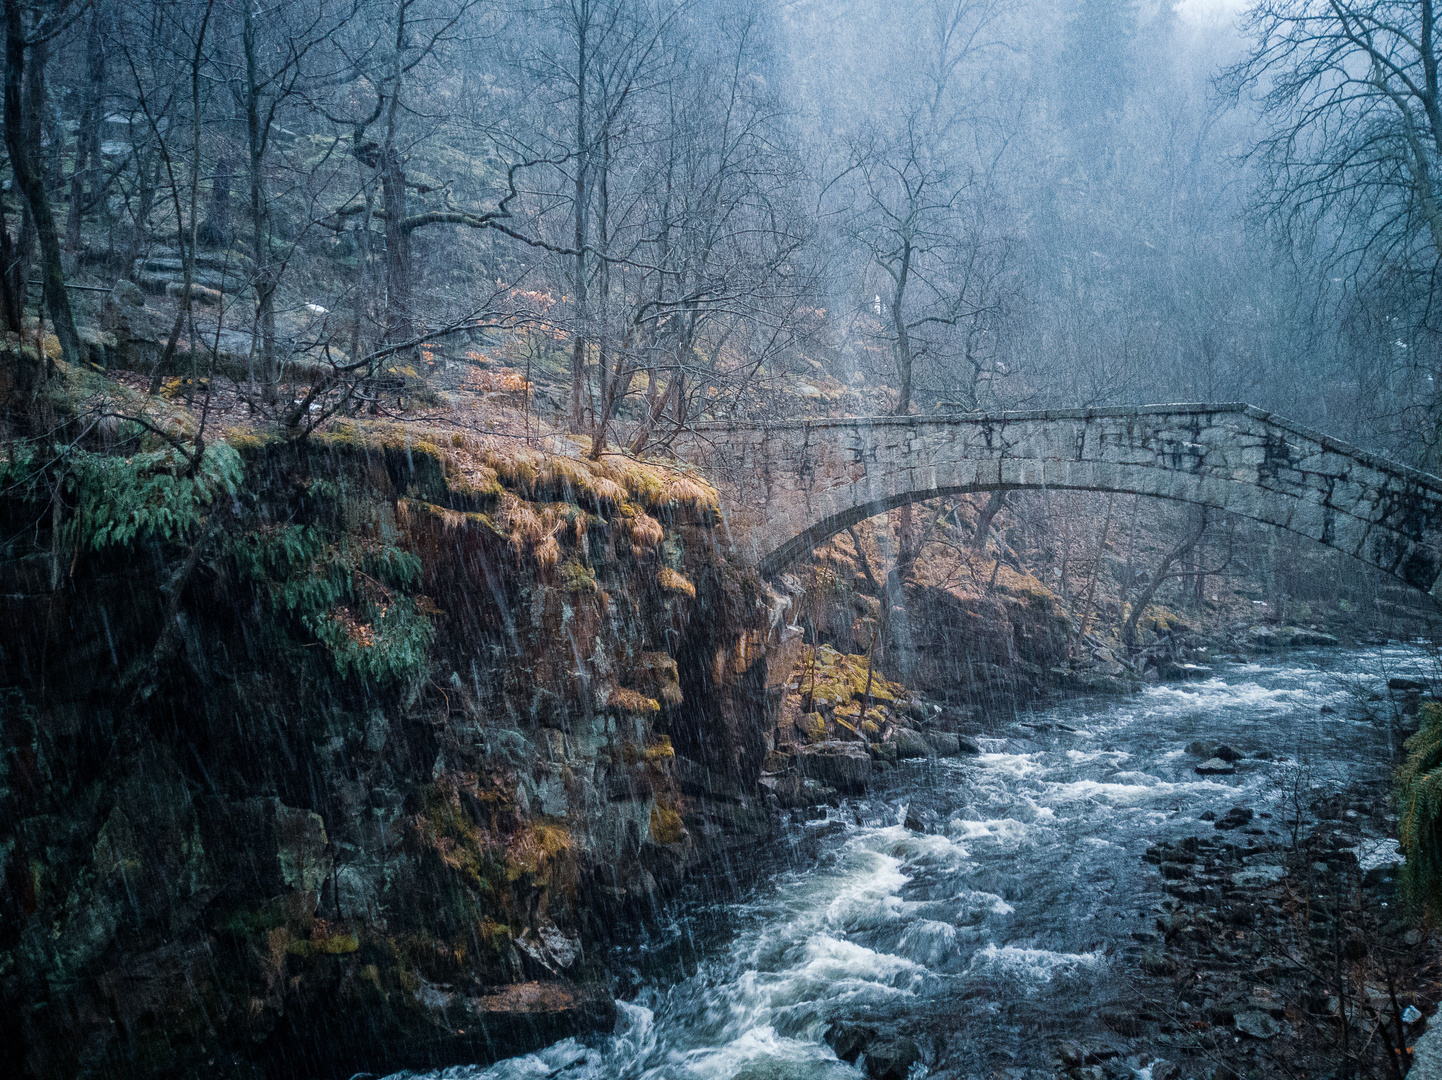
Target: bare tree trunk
(1096, 572)
(265, 278)
(901, 341)
(215, 230)
(22, 137)
(609, 383)
(87, 146)
(1187, 543)
(907, 547)
(186, 237)
(994, 505)
(578, 346)
(12, 279)
(1129, 573)
(400, 321)
(147, 184)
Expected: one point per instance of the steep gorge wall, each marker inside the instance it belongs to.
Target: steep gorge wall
(361, 771)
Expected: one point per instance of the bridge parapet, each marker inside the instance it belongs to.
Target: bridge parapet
(790, 485)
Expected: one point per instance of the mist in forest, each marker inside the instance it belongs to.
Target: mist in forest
(684, 208)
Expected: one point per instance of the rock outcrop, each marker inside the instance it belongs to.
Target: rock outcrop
(366, 785)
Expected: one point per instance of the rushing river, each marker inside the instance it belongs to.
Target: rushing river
(1023, 907)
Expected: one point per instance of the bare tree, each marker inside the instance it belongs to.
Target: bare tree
(1196, 530)
(1350, 93)
(27, 41)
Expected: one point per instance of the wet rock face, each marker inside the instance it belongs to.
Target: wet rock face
(269, 864)
(843, 766)
(973, 647)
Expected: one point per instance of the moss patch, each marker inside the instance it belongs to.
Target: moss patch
(666, 825)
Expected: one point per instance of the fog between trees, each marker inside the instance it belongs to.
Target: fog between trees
(669, 211)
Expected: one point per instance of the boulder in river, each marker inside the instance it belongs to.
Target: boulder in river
(944, 743)
(1226, 753)
(1156, 963)
(1216, 767)
(911, 744)
(1234, 818)
(849, 1041)
(1399, 683)
(1200, 748)
(886, 1057)
(1071, 1055)
(891, 1059)
(845, 766)
(1259, 637)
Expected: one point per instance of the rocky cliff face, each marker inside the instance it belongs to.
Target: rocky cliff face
(356, 767)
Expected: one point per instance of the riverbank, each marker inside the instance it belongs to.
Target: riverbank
(997, 915)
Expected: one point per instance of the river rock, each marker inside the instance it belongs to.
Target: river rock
(1234, 818)
(544, 1011)
(943, 742)
(1216, 767)
(1258, 876)
(1155, 962)
(845, 766)
(794, 792)
(1199, 748)
(1226, 753)
(1427, 1054)
(811, 727)
(1315, 639)
(1257, 1024)
(1398, 683)
(1124, 1022)
(1259, 637)
(891, 1059)
(911, 744)
(849, 1041)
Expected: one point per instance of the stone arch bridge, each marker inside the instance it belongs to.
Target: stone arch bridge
(790, 485)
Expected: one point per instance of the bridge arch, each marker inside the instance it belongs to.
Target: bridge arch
(789, 486)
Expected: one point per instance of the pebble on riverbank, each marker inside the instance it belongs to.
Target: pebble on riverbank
(1242, 978)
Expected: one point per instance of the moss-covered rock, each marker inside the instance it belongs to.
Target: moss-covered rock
(413, 722)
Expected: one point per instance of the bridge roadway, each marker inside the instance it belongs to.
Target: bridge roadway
(790, 485)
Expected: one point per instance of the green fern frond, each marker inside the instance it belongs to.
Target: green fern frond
(1418, 795)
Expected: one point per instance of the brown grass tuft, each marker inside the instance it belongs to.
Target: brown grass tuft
(645, 530)
(672, 582)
